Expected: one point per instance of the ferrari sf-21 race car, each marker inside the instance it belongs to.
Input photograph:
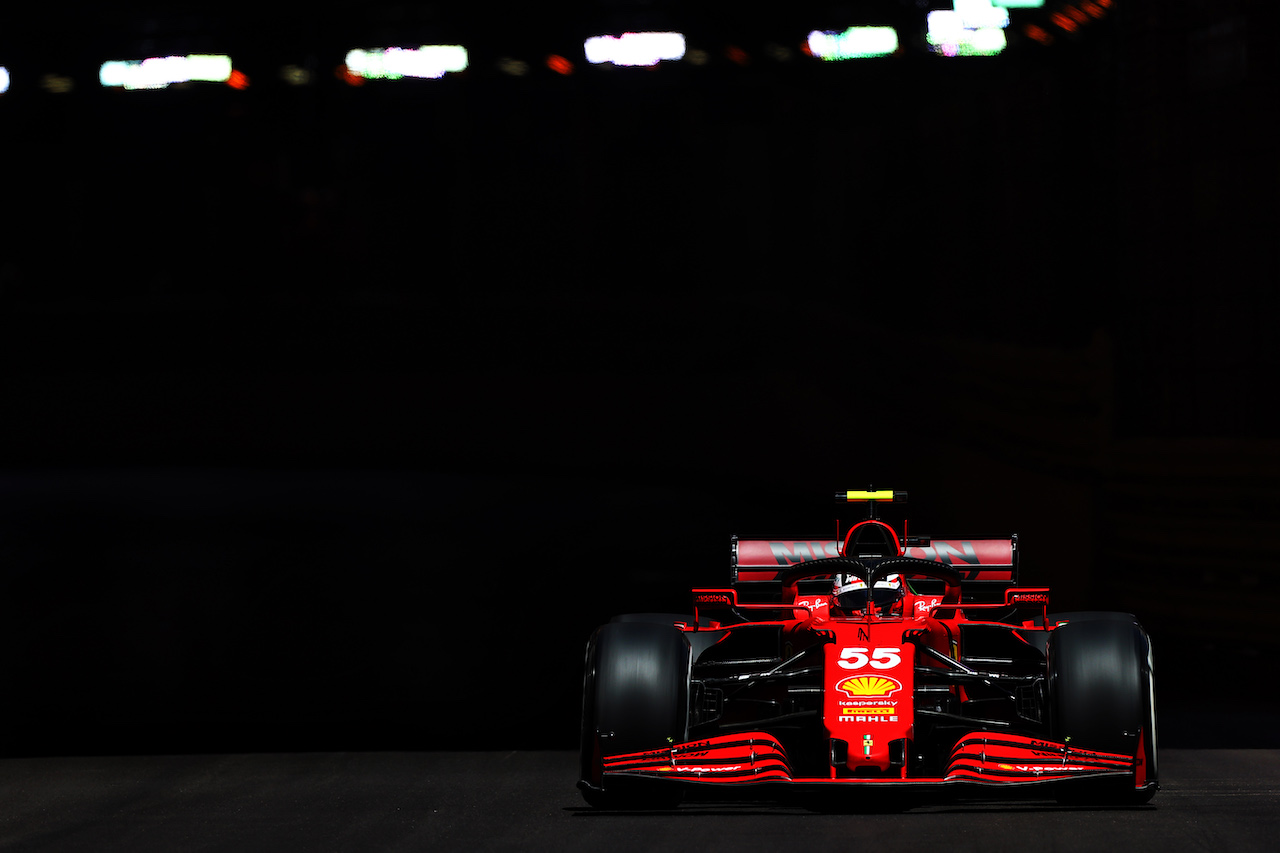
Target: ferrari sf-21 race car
(869, 663)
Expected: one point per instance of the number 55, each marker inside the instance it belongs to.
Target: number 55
(856, 658)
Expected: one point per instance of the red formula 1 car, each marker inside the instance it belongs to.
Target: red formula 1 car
(868, 665)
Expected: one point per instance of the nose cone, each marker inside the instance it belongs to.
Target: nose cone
(869, 686)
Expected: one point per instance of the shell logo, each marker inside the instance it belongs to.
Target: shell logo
(865, 686)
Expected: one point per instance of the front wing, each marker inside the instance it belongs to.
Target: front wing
(979, 758)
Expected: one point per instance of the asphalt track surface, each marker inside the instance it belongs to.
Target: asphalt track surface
(475, 801)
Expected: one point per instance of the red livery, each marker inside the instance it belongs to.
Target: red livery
(869, 662)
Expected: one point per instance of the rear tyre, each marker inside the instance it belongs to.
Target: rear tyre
(1102, 697)
(635, 697)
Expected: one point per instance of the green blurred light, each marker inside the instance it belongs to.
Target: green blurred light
(985, 42)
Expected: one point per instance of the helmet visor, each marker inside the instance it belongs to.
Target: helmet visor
(851, 592)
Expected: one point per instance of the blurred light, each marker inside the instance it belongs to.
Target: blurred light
(431, 61)
(737, 55)
(1038, 33)
(778, 52)
(57, 84)
(697, 57)
(984, 42)
(853, 43)
(238, 80)
(4, 79)
(1064, 22)
(981, 14)
(559, 64)
(344, 74)
(514, 67)
(295, 75)
(634, 48)
(973, 28)
(157, 72)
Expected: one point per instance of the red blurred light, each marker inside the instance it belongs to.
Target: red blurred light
(1064, 22)
(1038, 33)
(559, 64)
(238, 80)
(737, 54)
(343, 73)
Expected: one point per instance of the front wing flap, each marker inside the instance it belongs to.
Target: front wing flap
(749, 757)
(979, 758)
(988, 757)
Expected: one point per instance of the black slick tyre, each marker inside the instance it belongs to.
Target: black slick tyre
(635, 697)
(1102, 697)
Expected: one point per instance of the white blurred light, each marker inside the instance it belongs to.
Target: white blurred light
(431, 61)
(988, 41)
(981, 14)
(853, 43)
(972, 28)
(4, 79)
(945, 26)
(157, 72)
(634, 48)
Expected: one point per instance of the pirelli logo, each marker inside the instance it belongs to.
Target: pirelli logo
(849, 712)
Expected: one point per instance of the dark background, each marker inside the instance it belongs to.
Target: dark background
(336, 417)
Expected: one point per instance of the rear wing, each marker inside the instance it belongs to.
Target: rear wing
(985, 565)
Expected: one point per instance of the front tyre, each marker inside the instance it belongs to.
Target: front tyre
(1102, 697)
(635, 697)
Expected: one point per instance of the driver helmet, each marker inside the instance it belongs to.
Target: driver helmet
(850, 593)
